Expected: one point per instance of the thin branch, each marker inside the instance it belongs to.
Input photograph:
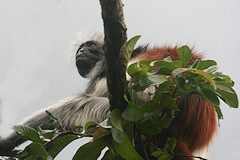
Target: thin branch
(115, 49)
(183, 155)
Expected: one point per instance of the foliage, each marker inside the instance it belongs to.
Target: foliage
(126, 133)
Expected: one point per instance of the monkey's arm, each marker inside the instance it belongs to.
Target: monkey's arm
(74, 111)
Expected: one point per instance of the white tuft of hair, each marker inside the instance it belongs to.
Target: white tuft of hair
(82, 38)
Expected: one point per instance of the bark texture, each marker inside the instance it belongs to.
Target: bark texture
(115, 49)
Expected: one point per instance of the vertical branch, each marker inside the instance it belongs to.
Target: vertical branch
(115, 50)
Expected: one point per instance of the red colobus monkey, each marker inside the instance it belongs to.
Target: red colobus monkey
(194, 125)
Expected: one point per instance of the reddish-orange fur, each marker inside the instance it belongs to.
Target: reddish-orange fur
(161, 53)
(195, 124)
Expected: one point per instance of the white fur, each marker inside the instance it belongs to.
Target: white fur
(201, 153)
(82, 38)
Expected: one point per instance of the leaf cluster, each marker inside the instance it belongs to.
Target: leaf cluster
(129, 134)
(45, 144)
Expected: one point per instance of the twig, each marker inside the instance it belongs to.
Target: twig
(183, 155)
(49, 145)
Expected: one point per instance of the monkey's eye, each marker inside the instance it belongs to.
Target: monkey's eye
(93, 45)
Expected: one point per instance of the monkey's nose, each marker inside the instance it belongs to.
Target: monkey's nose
(81, 51)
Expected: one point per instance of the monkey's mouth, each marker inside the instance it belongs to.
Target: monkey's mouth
(78, 55)
(81, 57)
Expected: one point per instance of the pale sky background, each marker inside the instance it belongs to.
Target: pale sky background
(35, 36)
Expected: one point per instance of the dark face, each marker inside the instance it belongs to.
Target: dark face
(88, 54)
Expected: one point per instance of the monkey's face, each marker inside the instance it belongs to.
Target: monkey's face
(88, 54)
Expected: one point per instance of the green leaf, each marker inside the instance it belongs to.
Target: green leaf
(180, 70)
(176, 64)
(53, 118)
(110, 155)
(217, 75)
(130, 46)
(195, 71)
(167, 101)
(133, 69)
(136, 72)
(228, 97)
(100, 132)
(207, 76)
(137, 88)
(151, 80)
(129, 130)
(164, 71)
(170, 145)
(166, 87)
(161, 155)
(185, 54)
(133, 112)
(223, 80)
(31, 157)
(228, 79)
(90, 124)
(158, 153)
(38, 150)
(147, 65)
(181, 85)
(159, 102)
(208, 95)
(219, 112)
(77, 128)
(154, 127)
(22, 154)
(90, 151)
(119, 136)
(135, 96)
(206, 64)
(116, 119)
(27, 133)
(196, 64)
(211, 69)
(140, 75)
(168, 59)
(59, 144)
(170, 65)
(127, 151)
(225, 88)
(47, 133)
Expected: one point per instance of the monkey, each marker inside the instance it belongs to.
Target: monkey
(86, 106)
(194, 126)
(83, 107)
